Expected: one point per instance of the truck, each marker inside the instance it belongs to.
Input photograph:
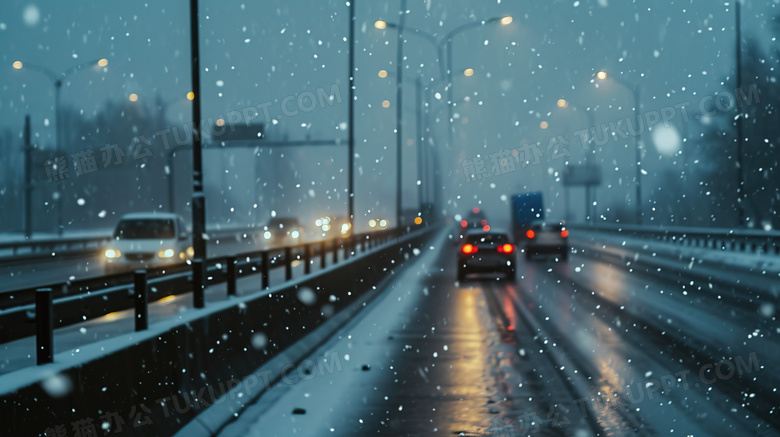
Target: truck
(526, 209)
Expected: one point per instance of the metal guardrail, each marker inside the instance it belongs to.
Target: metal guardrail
(22, 250)
(756, 242)
(40, 248)
(212, 347)
(76, 301)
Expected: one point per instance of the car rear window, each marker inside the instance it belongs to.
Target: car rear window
(491, 239)
(145, 229)
(547, 227)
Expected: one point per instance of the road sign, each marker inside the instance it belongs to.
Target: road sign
(577, 175)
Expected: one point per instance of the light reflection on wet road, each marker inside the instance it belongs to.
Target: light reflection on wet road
(432, 356)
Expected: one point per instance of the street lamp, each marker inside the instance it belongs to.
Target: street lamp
(602, 75)
(419, 132)
(57, 80)
(446, 42)
(563, 103)
(440, 45)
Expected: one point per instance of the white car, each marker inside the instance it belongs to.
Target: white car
(283, 231)
(147, 240)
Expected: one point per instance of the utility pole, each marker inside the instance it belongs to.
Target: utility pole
(399, 112)
(27, 179)
(350, 119)
(198, 198)
(740, 135)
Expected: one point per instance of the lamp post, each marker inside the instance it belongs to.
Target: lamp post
(440, 45)
(57, 80)
(419, 132)
(198, 197)
(162, 107)
(634, 89)
(563, 103)
(446, 42)
(382, 25)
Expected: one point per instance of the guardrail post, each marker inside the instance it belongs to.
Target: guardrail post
(307, 259)
(44, 326)
(231, 275)
(199, 283)
(141, 301)
(287, 263)
(335, 251)
(264, 269)
(322, 254)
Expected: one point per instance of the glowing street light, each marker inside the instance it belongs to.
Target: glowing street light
(382, 74)
(468, 72)
(57, 80)
(562, 103)
(442, 45)
(602, 75)
(133, 97)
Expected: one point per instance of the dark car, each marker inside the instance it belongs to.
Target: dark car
(545, 238)
(486, 252)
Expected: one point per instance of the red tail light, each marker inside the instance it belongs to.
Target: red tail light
(486, 228)
(565, 233)
(463, 223)
(468, 249)
(530, 233)
(506, 248)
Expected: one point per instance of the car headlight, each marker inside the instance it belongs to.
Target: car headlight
(112, 254)
(267, 235)
(295, 234)
(326, 227)
(344, 228)
(166, 253)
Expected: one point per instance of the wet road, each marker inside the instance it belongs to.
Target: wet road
(579, 348)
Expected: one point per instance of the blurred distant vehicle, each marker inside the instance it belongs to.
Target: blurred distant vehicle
(147, 240)
(330, 227)
(283, 231)
(475, 219)
(543, 238)
(527, 208)
(486, 252)
(378, 224)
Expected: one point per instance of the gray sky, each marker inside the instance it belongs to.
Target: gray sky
(259, 53)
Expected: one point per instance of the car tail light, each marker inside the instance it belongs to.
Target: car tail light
(469, 249)
(530, 233)
(565, 233)
(463, 223)
(506, 248)
(486, 228)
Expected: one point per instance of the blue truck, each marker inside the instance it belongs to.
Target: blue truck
(526, 209)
